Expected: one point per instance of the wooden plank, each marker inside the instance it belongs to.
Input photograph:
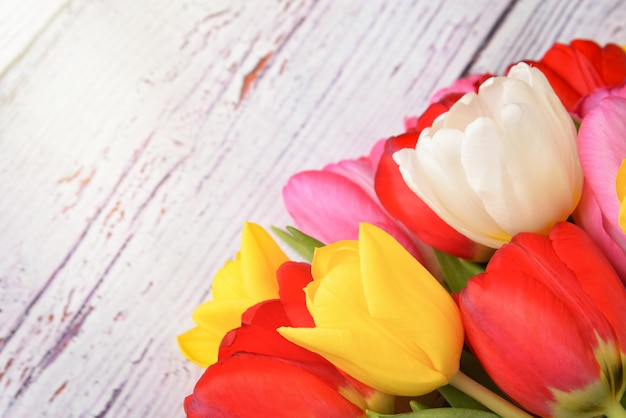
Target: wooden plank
(531, 27)
(141, 136)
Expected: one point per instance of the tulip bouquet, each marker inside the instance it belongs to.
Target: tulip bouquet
(471, 266)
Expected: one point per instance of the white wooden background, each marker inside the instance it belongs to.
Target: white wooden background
(137, 136)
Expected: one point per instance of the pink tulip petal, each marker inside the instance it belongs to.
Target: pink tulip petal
(602, 147)
(329, 207)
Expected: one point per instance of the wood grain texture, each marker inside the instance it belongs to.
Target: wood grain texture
(137, 137)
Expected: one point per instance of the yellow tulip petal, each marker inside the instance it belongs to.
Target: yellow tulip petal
(221, 314)
(403, 294)
(248, 279)
(392, 276)
(228, 282)
(252, 274)
(620, 184)
(214, 319)
(328, 257)
(391, 371)
(260, 258)
(339, 302)
(195, 345)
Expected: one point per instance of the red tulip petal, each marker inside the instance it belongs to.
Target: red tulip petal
(580, 68)
(292, 279)
(613, 65)
(258, 335)
(534, 255)
(527, 339)
(594, 273)
(250, 385)
(580, 57)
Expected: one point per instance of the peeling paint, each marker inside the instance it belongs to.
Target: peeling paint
(71, 177)
(66, 311)
(7, 366)
(58, 391)
(252, 76)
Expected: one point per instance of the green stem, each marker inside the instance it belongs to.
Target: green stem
(615, 410)
(486, 397)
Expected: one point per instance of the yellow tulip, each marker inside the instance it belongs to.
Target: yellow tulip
(248, 279)
(380, 316)
(620, 185)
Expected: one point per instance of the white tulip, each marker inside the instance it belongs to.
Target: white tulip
(499, 162)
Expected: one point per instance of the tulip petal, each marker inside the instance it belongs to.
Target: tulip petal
(620, 185)
(602, 149)
(589, 216)
(404, 205)
(260, 258)
(526, 323)
(536, 256)
(495, 177)
(253, 272)
(580, 57)
(395, 373)
(595, 275)
(215, 319)
(258, 335)
(241, 283)
(434, 172)
(197, 345)
(252, 385)
(329, 207)
(382, 256)
(292, 279)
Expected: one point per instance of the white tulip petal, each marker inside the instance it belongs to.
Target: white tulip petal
(495, 166)
(434, 172)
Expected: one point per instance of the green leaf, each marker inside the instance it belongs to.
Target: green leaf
(302, 243)
(439, 413)
(456, 271)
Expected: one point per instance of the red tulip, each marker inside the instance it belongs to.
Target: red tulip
(402, 203)
(546, 321)
(579, 68)
(260, 373)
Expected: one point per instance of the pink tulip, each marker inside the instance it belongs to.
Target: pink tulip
(602, 147)
(329, 204)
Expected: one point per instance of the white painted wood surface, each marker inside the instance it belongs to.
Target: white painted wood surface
(137, 136)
